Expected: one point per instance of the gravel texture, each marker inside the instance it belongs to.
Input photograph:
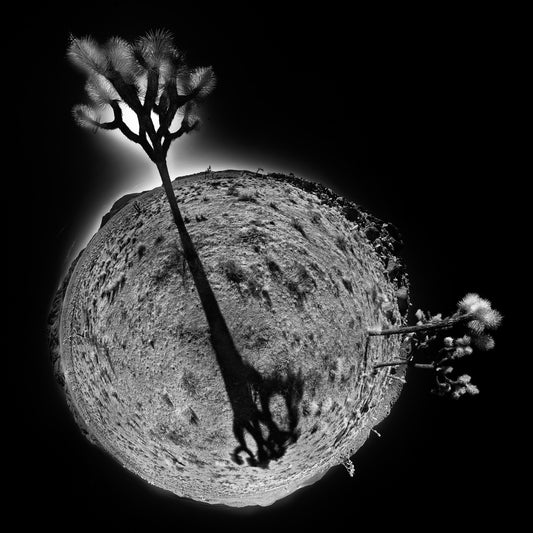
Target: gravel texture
(299, 274)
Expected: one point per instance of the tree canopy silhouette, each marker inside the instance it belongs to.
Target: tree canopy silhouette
(149, 76)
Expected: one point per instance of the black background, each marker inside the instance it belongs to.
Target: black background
(409, 113)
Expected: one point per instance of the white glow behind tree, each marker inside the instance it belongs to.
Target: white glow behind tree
(151, 77)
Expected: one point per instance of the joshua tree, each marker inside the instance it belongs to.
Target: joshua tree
(474, 314)
(151, 77)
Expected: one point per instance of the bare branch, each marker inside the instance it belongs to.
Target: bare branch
(151, 90)
(126, 91)
(168, 106)
(170, 137)
(121, 125)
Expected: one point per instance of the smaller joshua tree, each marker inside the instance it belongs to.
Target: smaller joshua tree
(444, 341)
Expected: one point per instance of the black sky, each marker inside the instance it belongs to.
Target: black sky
(408, 113)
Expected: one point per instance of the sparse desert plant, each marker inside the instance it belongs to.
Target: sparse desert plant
(273, 266)
(301, 284)
(347, 284)
(341, 242)
(296, 224)
(247, 197)
(141, 249)
(436, 343)
(233, 271)
(174, 261)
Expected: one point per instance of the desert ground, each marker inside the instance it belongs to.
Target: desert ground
(299, 274)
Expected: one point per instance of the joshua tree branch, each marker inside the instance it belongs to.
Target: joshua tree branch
(169, 137)
(104, 125)
(168, 106)
(428, 366)
(442, 324)
(174, 102)
(391, 363)
(151, 90)
(126, 91)
(120, 124)
(182, 99)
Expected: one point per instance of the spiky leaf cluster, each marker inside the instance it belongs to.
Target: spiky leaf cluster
(149, 76)
(350, 468)
(480, 313)
(454, 388)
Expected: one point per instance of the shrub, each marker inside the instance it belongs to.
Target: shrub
(341, 242)
(233, 272)
(273, 267)
(247, 197)
(296, 224)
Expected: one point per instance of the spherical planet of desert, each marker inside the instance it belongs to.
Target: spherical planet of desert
(299, 273)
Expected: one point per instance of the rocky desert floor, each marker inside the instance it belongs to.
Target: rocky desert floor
(299, 275)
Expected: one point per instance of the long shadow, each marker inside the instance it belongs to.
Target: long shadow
(249, 393)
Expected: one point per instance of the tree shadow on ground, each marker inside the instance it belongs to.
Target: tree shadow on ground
(271, 436)
(249, 392)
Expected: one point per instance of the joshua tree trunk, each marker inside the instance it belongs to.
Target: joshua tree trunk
(238, 377)
(220, 335)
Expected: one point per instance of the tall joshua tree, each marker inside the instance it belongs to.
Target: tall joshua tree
(151, 77)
